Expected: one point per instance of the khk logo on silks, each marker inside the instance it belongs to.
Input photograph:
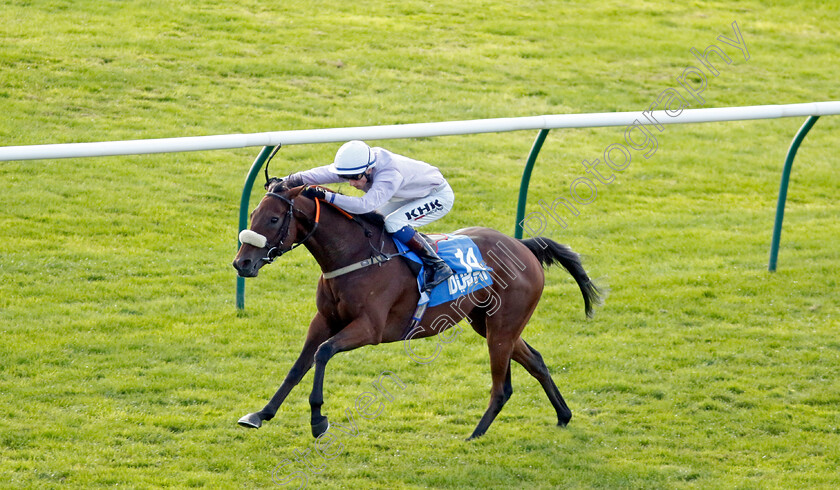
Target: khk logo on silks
(423, 210)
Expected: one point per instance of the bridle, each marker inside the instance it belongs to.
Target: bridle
(285, 228)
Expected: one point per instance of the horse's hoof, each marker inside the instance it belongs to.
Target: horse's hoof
(564, 418)
(251, 421)
(320, 427)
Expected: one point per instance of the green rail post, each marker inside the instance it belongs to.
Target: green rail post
(243, 215)
(783, 187)
(526, 180)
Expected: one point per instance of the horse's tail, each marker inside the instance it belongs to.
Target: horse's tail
(549, 252)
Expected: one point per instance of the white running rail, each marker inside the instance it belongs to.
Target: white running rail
(334, 135)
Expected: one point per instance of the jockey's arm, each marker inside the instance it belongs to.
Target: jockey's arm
(382, 188)
(316, 176)
(378, 194)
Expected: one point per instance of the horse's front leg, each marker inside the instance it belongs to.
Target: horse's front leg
(317, 334)
(357, 334)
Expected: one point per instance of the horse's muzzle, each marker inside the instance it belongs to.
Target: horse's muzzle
(247, 267)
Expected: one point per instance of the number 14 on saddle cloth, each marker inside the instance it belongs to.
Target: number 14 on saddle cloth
(464, 257)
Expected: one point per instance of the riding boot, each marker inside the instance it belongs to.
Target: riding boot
(436, 269)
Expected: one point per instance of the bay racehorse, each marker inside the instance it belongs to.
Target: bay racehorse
(375, 304)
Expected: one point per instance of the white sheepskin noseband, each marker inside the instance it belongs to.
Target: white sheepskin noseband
(252, 238)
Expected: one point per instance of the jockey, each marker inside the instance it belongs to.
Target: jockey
(409, 193)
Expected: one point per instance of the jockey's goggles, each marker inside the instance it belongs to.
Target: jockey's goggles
(354, 176)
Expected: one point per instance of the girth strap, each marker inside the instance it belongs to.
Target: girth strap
(374, 260)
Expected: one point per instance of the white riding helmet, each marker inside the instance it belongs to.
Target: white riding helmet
(354, 157)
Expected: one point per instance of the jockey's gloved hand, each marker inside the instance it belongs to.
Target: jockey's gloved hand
(270, 182)
(289, 182)
(314, 192)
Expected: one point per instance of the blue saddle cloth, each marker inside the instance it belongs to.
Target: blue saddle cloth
(464, 257)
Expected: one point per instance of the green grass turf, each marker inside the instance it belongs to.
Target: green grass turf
(123, 360)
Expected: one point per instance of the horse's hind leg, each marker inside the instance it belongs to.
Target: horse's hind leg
(500, 351)
(532, 361)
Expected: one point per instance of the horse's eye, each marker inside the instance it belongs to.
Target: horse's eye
(274, 220)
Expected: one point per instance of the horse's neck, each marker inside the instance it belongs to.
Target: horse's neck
(340, 241)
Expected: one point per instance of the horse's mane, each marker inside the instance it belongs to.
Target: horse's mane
(373, 218)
